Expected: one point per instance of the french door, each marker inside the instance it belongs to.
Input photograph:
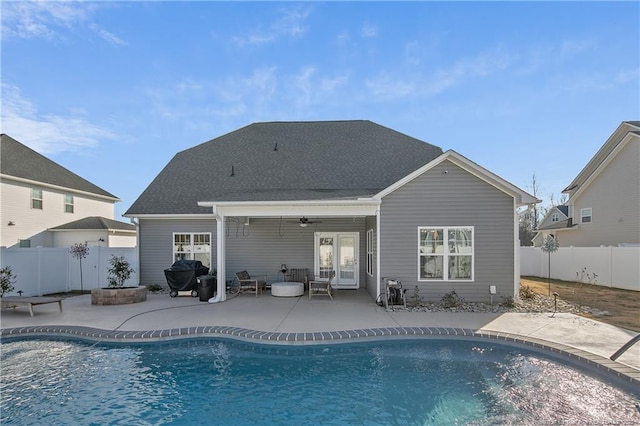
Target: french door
(337, 251)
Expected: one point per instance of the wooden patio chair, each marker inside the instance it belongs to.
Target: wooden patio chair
(322, 287)
(248, 283)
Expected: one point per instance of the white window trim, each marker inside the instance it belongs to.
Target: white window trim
(72, 204)
(555, 217)
(173, 239)
(370, 252)
(445, 260)
(41, 199)
(583, 215)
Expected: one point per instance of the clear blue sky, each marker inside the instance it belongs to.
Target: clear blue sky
(112, 90)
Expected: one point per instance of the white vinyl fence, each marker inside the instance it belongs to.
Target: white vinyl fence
(42, 271)
(617, 267)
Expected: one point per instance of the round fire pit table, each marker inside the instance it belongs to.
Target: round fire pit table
(287, 289)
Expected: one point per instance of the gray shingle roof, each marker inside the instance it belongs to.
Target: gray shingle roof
(285, 161)
(558, 225)
(95, 223)
(20, 161)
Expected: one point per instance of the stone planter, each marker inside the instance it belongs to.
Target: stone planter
(118, 295)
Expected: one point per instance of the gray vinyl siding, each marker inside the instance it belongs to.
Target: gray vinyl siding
(267, 243)
(259, 248)
(371, 281)
(454, 198)
(156, 245)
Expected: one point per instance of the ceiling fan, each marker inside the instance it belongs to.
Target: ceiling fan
(303, 222)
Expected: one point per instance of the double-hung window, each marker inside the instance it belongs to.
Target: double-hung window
(445, 253)
(192, 246)
(36, 198)
(68, 203)
(585, 215)
(555, 217)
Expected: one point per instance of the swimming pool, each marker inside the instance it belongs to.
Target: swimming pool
(213, 381)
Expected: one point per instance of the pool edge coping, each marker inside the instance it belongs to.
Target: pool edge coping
(622, 371)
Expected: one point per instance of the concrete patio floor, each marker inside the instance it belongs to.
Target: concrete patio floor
(350, 310)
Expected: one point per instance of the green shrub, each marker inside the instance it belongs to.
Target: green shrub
(7, 280)
(452, 300)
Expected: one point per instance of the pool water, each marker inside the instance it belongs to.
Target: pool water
(420, 382)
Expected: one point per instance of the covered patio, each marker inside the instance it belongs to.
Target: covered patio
(265, 237)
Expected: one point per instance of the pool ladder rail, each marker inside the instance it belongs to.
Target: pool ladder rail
(625, 347)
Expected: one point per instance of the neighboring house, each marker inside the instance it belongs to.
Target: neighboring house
(39, 197)
(350, 196)
(95, 230)
(557, 218)
(603, 208)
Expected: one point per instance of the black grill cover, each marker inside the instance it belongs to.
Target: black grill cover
(181, 276)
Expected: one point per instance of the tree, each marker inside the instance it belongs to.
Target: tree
(530, 217)
(80, 251)
(119, 271)
(550, 245)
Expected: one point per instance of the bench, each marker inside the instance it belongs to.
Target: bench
(30, 302)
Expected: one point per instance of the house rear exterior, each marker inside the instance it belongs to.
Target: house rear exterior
(351, 196)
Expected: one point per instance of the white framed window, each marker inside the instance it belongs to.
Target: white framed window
(36, 198)
(555, 217)
(370, 252)
(192, 246)
(586, 215)
(68, 203)
(445, 253)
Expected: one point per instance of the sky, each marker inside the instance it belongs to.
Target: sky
(113, 90)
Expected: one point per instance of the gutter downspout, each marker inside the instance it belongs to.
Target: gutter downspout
(516, 252)
(136, 222)
(220, 258)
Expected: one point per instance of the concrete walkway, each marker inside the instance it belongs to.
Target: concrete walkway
(350, 310)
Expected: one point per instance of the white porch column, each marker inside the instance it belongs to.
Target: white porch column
(378, 279)
(221, 259)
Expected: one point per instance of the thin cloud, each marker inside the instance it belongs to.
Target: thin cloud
(47, 133)
(106, 35)
(51, 19)
(291, 23)
(368, 31)
(402, 84)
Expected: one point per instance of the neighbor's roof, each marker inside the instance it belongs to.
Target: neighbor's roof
(20, 161)
(95, 223)
(604, 154)
(563, 224)
(285, 161)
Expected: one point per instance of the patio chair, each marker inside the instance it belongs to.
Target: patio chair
(247, 283)
(322, 288)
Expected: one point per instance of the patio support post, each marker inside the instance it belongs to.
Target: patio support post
(378, 287)
(221, 258)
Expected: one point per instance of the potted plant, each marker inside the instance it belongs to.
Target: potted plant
(118, 272)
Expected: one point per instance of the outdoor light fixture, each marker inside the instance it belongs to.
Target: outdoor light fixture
(11, 223)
